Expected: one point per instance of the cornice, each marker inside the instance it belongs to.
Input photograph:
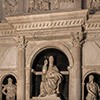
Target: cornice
(93, 23)
(49, 21)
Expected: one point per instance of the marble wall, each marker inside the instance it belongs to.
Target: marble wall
(8, 56)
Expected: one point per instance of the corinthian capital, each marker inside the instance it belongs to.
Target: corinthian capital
(21, 42)
(77, 38)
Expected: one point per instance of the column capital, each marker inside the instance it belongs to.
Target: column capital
(77, 39)
(21, 42)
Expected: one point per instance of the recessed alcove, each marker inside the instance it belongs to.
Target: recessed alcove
(96, 80)
(62, 63)
(5, 82)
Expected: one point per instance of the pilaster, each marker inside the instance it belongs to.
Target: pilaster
(21, 44)
(75, 71)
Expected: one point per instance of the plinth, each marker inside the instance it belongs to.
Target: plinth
(49, 97)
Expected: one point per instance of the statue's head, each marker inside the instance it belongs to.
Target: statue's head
(91, 78)
(9, 80)
(51, 59)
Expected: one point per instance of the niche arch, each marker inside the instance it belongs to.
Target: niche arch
(62, 62)
(46, 45)
(4, 81)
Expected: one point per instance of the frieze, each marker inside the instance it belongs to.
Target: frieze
(92, 26)
(93, 5)
(7, 32)
(49, 24)
(10, 7)
(6, 29)
(49, 5)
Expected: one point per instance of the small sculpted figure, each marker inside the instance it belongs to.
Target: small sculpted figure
(93, 89)
(9, 90)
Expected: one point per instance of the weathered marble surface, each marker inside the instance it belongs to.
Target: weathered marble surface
(8, 56)
(91, 53)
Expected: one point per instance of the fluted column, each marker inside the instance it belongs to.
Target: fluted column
(75, 71)
(21, 44)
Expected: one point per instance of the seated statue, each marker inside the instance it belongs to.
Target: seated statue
(9, 90)
(93, 89)
(51, 79)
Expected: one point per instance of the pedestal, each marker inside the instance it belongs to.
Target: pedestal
(51, 97)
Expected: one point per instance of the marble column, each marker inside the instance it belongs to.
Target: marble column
(75, 71)
(21, 69)
(28, 72)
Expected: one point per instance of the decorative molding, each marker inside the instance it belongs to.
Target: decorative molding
(91, 67)
(6, 29)
(37, 22)
(49, 24)
(72, 23)
(7, 32)
(93, 26)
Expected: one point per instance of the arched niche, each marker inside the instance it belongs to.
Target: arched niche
(86, 80)
(4, 81)
(62, 63)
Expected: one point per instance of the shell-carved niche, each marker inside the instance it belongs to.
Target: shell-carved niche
(49, 5)
(10, 7)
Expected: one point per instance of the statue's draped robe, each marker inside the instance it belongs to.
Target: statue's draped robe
(92, 91)
(50, 85)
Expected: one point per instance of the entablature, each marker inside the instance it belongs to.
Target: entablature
(45, 24)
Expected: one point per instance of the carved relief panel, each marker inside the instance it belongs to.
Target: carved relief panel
(49, 5)
(10, 7)
(92, 5)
